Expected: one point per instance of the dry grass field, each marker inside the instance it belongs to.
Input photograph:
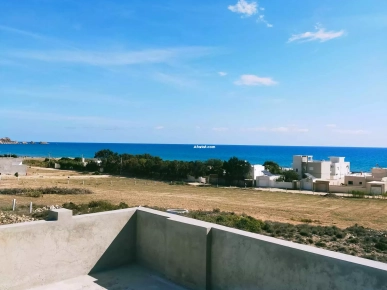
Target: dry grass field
(275, 206)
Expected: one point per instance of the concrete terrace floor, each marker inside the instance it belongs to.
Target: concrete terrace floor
(131, 277)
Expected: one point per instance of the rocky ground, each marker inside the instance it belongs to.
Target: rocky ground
(10, 217)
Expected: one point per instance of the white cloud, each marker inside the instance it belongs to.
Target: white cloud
(21, 32)
(222, 73)
(249, 9)
(173, 80)
(159, 127)
(320, 35)
(287, 129)
(351, 132)
(245, 8)
(253, 80)
(331, 125)
(116, 58)
(220, 129)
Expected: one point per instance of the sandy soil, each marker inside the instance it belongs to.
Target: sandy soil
(276, 206)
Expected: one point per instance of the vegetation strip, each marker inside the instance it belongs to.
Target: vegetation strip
(38, 192)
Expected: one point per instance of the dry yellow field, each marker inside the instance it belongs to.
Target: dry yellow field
(275, 206)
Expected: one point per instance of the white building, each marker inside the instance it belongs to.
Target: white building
(334, 169)
(257, 170)
(9, 166)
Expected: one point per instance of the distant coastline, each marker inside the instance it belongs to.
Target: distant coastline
(8, 141)
(362, 159)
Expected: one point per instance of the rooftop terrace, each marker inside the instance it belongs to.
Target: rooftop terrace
(140, 248)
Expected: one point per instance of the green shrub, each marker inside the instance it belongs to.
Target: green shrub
(36, 192)
(321, 244)
(381, 246)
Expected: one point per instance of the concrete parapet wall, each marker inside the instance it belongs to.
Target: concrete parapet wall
(194, 254)
(37, 253)
(241, 260)
(151, 239)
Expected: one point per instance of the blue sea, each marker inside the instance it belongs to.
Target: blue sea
(362, 159)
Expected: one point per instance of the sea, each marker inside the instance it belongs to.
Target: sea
(362, 159)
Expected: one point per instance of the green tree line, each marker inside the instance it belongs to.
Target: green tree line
(146, 165)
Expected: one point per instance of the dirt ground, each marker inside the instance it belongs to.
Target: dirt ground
(275, 206)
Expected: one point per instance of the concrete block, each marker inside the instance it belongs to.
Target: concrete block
(187, 250)
(60, 214)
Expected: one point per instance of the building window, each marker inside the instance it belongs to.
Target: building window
(360, 183)
(310, 168)
(350, 182)
(296, 169)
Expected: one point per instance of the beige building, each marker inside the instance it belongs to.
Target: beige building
(10, 166)
(371, 183)
(334, 169)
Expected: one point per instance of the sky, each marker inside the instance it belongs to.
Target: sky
(268, 72)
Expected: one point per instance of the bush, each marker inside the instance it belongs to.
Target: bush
(93, 207)
(381, 246)
(36, 192)
(321, 244)
(357, 193)
(17, 174)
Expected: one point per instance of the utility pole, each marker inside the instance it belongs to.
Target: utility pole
(121, 167)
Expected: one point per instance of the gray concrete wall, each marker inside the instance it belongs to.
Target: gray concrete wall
(151, 239)
(174, 246)
(37, 253)
(187, 250)
(241, 260)
(195, 254)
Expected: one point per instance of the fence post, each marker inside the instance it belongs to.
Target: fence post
(31, 207)
(13, 204)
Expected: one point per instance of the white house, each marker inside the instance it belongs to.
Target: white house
(257, 170)
(334, 169)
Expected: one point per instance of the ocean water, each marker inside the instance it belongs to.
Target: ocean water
(362, 159)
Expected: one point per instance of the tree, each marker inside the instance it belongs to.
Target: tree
(215, 166)
(290, 175)
(104, 154)
(272, 167)
(197, 168)
(236, 169)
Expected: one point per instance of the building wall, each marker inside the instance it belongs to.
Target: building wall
(379, 173)
(319, 169)
(9, 166)
(355, 180)
(346, 189)
(270, 181)
(339, 168)
(297, 164)
(257, 170)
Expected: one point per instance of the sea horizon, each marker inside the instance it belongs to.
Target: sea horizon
(361, 158)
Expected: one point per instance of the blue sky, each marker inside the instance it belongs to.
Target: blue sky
(216, 72)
